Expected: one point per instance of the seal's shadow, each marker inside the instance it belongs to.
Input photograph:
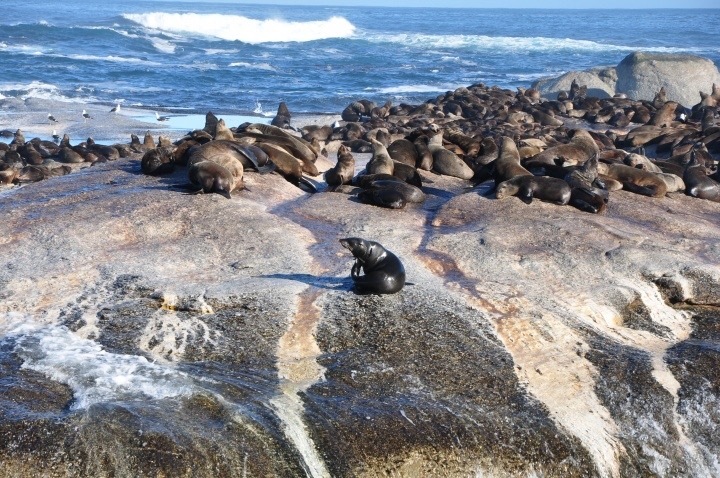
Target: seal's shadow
(329, 282)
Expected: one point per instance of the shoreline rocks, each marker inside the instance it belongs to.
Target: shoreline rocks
(640, 75)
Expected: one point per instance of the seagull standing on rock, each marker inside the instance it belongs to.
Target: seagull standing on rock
(86, 115)
(161, 118)
(56, 136)
(52, 118)
(116, 109)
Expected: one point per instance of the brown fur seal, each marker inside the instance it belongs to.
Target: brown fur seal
(288, 166)
(580, 148)
(383, 197)
(507, 165)
(446, 162)
(343, 171)
(384, 273)
(403, 151)
(634, 180)
(222, 132)
(211, 177)
(158, 161)
(381, 162)
(698, 184)
(527, 188)
(409, 192)
(282, 117)
(224, 154)
(664, 116)
(425, 156)
(584, 193)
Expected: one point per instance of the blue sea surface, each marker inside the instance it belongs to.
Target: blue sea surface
(235, 58)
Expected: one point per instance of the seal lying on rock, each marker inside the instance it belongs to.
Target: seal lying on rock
(540, 187)
(384, 273)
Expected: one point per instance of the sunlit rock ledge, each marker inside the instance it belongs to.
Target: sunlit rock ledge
(152, 333)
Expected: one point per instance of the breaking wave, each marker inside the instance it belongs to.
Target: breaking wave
(247, 30)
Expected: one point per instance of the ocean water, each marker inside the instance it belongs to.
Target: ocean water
(236, 59)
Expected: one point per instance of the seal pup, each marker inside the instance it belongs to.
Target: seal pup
(343, 171)
(384, 273)
(545, 188)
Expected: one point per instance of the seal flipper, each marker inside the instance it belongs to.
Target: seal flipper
(306, 185)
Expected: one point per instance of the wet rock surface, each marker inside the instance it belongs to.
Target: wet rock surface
(147, 332)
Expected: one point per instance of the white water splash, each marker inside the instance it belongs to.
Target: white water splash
(247, 30)
(94, 374)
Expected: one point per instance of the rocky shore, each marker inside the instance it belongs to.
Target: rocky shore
(148, 332)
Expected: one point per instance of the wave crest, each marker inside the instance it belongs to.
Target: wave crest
(247, 30)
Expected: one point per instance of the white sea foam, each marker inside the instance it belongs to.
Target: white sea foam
(413, 89)
(247, 30)
(93, 374)
(162, 45)
(37, 89)
(513, 44)
(257, 66)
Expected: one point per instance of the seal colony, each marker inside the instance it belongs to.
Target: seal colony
(574, 150)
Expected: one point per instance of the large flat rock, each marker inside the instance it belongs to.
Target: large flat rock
(148, 332)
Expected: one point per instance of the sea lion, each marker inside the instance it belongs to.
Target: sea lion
(211, 177)
(381, 162)
(343, 171)
(544, 188)
(507, 165)
(384, 273)
(634, 180)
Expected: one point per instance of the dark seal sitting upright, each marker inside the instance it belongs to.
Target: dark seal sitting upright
(384, 273)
